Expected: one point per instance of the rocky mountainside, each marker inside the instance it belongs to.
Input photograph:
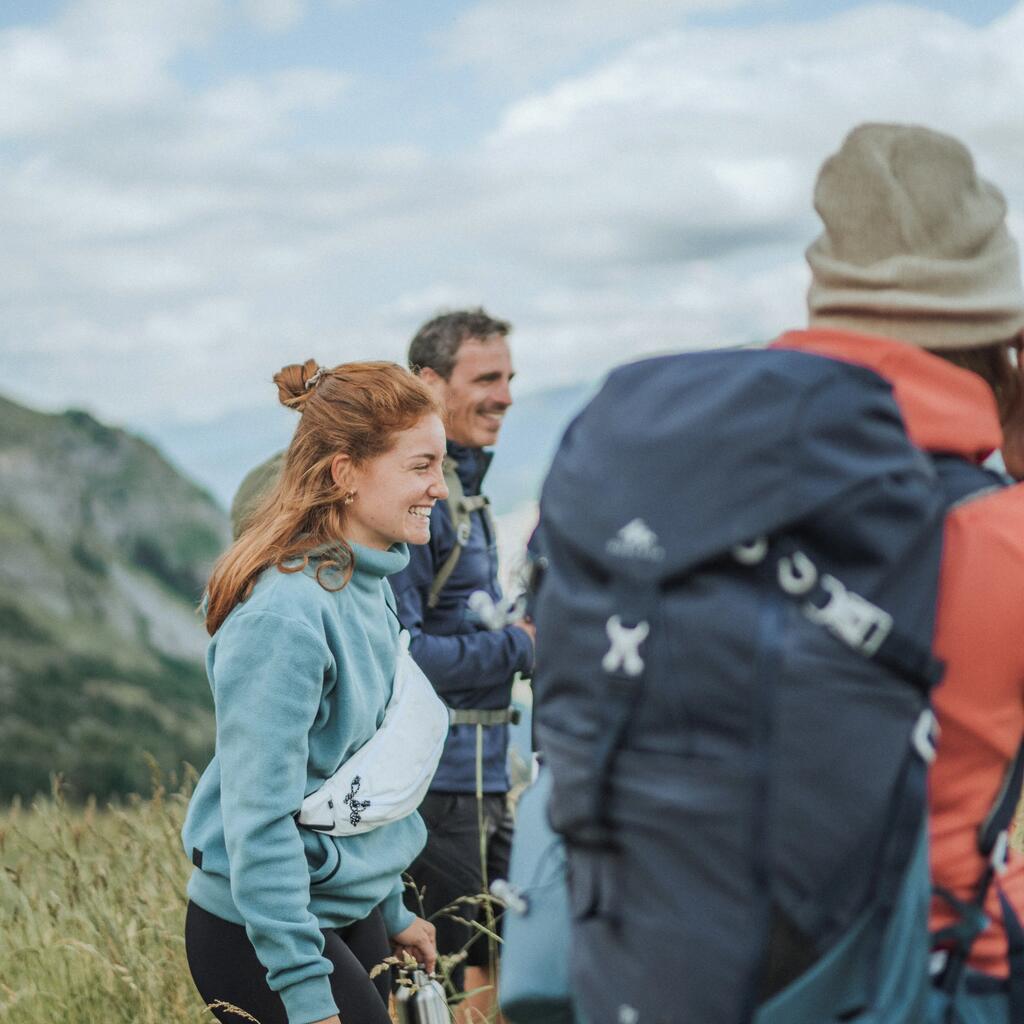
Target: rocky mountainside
(104, 549)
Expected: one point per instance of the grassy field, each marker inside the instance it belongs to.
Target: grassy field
(91, 910)
(92, 903)
(92, 907)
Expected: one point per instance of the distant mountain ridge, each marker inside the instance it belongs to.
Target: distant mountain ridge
(218, 453)
(104, 550)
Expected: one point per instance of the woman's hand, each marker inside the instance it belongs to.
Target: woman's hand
(419, 940)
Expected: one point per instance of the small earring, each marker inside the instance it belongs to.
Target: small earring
(350, 497)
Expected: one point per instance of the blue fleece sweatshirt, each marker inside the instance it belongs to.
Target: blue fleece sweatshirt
(301, 677)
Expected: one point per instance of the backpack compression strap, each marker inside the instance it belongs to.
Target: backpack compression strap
(460, 508)
(852, 619)
(858, 623)
(623, 666)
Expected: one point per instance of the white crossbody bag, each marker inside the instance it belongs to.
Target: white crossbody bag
(388, 776)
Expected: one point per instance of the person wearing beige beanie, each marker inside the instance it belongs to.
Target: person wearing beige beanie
(915, 245)
(916, 248)
(916, 277)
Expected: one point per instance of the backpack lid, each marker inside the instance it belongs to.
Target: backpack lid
(680, 458)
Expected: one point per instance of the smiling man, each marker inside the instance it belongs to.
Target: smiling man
(464, 358)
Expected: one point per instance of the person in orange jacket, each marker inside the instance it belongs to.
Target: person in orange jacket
(917, 278)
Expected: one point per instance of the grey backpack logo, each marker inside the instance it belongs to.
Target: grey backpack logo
(636, 540)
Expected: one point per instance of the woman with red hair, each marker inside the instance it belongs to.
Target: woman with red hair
(287, 911)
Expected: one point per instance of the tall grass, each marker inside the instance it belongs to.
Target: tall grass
(92, 905)
(92, 911)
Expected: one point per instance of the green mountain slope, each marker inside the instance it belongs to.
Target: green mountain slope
(104, 549)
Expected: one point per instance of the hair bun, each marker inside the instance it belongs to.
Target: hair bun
(293, 383)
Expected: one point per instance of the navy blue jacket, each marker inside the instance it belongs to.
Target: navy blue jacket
(469, 665)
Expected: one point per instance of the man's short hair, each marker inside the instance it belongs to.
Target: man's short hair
(437, 342)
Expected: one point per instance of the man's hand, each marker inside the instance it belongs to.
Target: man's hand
(329, 1020)
(419, 940)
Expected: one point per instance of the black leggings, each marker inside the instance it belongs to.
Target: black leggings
(225, 968)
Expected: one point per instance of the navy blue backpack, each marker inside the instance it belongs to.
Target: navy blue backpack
(740, 556)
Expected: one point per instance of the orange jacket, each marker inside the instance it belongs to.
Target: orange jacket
(980, 702)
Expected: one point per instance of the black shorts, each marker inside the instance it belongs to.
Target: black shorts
(449, 869)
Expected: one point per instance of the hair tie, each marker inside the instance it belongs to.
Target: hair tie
(315, 379)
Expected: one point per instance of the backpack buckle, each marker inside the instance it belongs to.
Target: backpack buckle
(797, 574)
(1001, 853)
(926, 735)
(512, 896)
(937, 960)
(855, 620)
(753, 552)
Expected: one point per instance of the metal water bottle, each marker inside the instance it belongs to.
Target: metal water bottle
(423, 1002)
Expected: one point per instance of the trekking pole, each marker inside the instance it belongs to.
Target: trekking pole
(492, 953)
(494, 615)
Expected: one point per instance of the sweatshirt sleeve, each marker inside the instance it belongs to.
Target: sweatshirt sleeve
(488, 658)
(268, 676)
(396, 917)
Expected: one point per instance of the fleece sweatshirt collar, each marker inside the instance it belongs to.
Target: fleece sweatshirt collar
(379, 564)
(945, 408)
(371, 562)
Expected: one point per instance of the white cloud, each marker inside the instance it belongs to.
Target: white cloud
(275, 15)
(513, 39)
(707, 141)
(244, 111)
(280, 15)
(168, 249)
(424, 303)
(97, 58)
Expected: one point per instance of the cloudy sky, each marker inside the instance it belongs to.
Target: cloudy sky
(196, 192)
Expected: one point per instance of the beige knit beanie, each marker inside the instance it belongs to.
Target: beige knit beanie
(915, 245)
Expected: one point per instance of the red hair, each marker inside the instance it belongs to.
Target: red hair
(355, 409)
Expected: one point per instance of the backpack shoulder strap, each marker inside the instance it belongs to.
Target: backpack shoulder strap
(993, 834)
(460, 508)
(963, 481)
(958, 938)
